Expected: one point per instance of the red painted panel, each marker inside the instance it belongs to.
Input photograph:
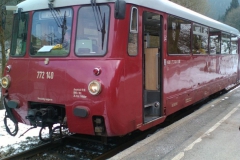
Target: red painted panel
(18, 89)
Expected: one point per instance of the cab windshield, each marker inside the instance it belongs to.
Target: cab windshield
(51, 32)
(92, 30)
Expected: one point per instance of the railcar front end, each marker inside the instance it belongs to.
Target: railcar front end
(67, 67)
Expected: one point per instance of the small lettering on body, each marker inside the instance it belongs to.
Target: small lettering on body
(45, 99)
(188, 100)
(78, 93)
(45, 75)
(174, 104)
(173, 61)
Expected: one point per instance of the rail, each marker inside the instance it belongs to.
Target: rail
(34, 151)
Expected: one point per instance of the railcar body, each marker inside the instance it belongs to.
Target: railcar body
(125, 65)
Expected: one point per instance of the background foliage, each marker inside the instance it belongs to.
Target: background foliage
(5, 33)
(226, 11)
(200, 6)
(231, 16)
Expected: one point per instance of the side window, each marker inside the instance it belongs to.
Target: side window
(133, 34)
(200, 39)
(225, 43)
(214, 44)
(19, 36)
(234, 45)
(178, 35)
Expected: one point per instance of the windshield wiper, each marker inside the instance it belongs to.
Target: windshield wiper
(61, 22)
(100, 22)
(64, 26)
(103, 29)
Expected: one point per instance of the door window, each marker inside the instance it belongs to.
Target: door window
(133, 34)
(19, 35)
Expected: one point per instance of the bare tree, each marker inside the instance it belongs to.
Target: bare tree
(5, 33)
(200, 6)
(2, 38)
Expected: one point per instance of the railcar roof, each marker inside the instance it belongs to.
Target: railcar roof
(161, 5)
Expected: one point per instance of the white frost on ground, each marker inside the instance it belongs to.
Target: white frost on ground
(7, 141)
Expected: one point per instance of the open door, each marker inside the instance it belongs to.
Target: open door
(152, 29)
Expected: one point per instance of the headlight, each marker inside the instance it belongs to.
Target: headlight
(5, 82)
(94, 87)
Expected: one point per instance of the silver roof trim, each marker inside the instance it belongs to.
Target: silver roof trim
(161, 5)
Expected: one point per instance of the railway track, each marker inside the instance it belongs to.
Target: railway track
(80, 147)
(89, 147)
(32, 152)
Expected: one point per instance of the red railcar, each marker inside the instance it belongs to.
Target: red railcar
(110, 67)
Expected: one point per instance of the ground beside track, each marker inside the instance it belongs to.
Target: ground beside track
(12, 145)
(212, 132)
(180, 140)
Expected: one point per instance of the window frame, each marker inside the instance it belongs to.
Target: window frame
(190, 37)
(49, 55)
(16, 19)
(219, 41)
(232, 35)
(107, 33)
(222, 37)
(131, 20)
(132, 31)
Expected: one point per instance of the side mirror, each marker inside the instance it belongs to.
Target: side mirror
(120, 8)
